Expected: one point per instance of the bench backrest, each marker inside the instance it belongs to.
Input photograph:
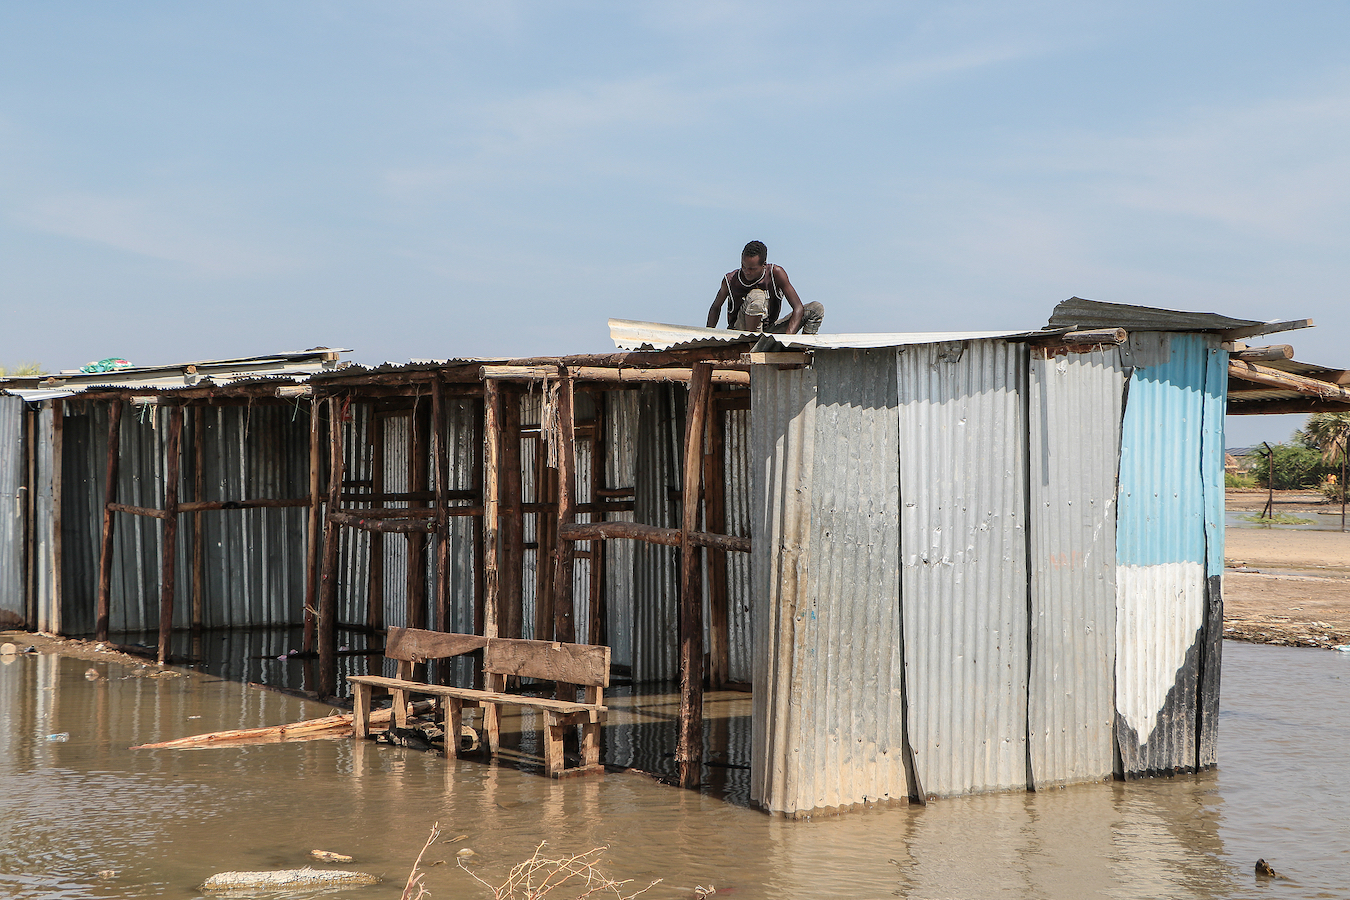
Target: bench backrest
(416, 645)
(584, 664)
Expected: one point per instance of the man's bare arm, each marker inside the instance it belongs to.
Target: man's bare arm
(790, 292)
(715, 313)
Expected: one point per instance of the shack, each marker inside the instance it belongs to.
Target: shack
(944, 563)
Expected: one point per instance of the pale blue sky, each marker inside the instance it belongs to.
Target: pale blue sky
(419, 179)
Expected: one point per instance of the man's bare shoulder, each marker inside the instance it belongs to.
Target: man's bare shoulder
(778, 271)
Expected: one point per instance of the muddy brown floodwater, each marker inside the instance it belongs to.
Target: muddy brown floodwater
(82, 816)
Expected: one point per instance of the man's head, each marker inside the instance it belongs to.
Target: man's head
(752, 260)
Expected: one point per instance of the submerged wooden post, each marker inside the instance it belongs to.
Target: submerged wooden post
(689, 750)
(492, 408)
(715, 513)
(510, 595)
(564, 604)
(170, 546)
(327, 686)
(312, 530)
(109, 520)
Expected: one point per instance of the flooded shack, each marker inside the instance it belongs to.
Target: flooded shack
(943, 563)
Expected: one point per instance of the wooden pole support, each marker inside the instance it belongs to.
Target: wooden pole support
(327, 624)
(689, 750)
(564, 623)
(110, 494)
(492, 416)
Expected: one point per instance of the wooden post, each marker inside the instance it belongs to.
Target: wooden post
(198, 537)
(492, 410)
(545, 484)
(375, 587)
(599, 632)
(564, 623)
(170, 545)
(479, 543)
(715, 513)
(689, 751)
(510, 603)
(312, 529)
(327, 686)
(441, 457)
(109, 519)
(417, 542)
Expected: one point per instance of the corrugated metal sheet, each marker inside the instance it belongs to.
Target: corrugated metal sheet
(621, 428)
(964, 556)
(13, 512)
(45, 542)
(738, 480)
(1075, 415)
(850, 746)
(656, 578)
(1169, 494)
(253, 559)
(1079, 313)
(631, 335)
(783, 455)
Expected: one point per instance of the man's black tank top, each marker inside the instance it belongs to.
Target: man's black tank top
(737, 290)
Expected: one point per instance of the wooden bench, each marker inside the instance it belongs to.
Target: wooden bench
(583, 665)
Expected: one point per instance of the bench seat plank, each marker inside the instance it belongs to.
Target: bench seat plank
(564, 707)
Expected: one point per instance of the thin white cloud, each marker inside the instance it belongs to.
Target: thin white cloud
(145, 228)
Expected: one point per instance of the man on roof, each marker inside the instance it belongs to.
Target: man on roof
(757, 291)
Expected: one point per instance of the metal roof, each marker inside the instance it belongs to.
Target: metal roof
(289, 367)
(1079, 313)
(631, 335)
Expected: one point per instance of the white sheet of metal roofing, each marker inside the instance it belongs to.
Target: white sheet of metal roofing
(630, 335)
(289, 367)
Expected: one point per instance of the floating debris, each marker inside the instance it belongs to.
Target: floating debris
(285, 879)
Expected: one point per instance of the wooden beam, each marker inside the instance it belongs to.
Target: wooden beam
(1263, 354)
(138, 510)
(597, 614)
(606, 374)
(793, 359)
(651, 534)
(689, 749)
(195, 506)
(327, 686)
(167, 573)
(492, 416)
(423, 525)
(1281, 407)
(441, 459)
(1237, 334)
(564, 600)
(511, 543)
(1274, 378)
(105, 557)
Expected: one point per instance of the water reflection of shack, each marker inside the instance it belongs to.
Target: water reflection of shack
(946, 563)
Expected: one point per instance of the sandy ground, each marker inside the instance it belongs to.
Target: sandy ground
(1283, 586)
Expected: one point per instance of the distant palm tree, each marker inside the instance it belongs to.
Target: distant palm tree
(1330, 433)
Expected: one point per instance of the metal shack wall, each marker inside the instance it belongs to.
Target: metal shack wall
(850, 746)
(253, 559)
(621, 428)
(963, 542)
(737, 480)
(46, 577)
(655, 576)
(13, 503)
(1170, 555)
(1075, 419)
(783, 456)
